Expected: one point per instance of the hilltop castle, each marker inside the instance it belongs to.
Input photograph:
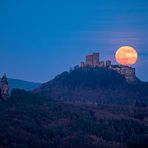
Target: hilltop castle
(93, 60)
(4, 90)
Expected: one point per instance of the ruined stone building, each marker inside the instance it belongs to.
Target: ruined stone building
(4, 90)
(126, 71)
(93, 60)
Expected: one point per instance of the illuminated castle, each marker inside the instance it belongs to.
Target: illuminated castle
(4, 90)
(93, 60)
(126, 71)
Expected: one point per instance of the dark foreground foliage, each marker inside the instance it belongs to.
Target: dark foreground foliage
(28, 120)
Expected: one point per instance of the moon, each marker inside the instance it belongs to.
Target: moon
(126, 55)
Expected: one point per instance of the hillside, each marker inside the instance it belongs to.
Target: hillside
(14, 83)
(29, 120)
(94, 85)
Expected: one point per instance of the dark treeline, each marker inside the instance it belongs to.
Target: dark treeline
(29, 120)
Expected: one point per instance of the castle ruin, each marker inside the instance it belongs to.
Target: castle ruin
(93, 60)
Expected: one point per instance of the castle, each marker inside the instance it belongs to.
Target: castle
(4, 90)
(93, 60)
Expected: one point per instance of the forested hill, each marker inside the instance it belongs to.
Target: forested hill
(94, 85)
(29, 120)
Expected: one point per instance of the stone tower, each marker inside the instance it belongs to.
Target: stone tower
(4, 87)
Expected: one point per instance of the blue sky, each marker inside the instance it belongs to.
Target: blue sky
(41, 38)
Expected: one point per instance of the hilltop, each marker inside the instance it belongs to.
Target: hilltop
(94, 85)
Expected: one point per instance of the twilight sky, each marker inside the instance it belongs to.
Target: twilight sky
(41, 38)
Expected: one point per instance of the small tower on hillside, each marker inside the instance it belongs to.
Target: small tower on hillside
(4, 88)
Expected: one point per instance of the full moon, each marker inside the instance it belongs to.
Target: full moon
(126, 55)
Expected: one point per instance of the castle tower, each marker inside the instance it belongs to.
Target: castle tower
(4, 87)
(89, 60)
(93, 59)
(96, 59)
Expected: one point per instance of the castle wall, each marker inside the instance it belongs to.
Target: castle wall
(126, 71)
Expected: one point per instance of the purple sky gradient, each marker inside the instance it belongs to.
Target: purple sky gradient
(41, 38)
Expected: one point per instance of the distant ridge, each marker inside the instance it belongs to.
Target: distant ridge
(21, 84)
